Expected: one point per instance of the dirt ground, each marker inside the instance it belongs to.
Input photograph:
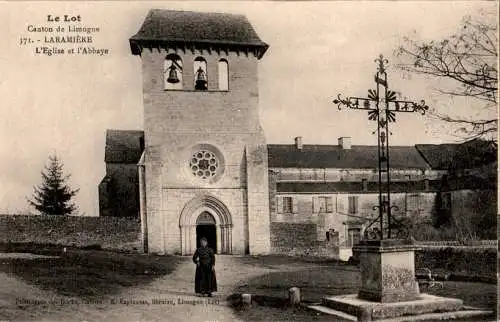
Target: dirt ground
(106, 286)
(167, 298)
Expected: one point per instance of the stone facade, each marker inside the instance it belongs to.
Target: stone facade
(178, 124)
(184, 125)
(335, 211)
(118, 191)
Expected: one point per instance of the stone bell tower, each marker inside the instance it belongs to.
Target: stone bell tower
(204, 168)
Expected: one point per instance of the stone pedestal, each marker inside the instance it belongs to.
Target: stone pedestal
(387, 270)
(389, 289)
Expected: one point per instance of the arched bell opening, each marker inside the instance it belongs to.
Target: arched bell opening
(172, 72)
(200, 74)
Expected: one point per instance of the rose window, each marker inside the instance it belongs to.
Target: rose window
(204, 164)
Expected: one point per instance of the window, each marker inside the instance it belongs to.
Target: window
(223, 75)
(200, 74)
(353, 204)
(353, 236)
(204, 164)
(365, 184)
(322, 204)
(287, 205)
(413, 202)
(172, 72)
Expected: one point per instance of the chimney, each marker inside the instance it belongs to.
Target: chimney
(345, 142)
(298, 142)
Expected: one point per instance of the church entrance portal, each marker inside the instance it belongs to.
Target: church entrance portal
(206, 216)
(205, 227)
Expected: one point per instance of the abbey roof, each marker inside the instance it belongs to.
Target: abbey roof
(334, 156)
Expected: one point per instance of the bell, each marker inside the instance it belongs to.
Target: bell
(172, 75)
(201, 80)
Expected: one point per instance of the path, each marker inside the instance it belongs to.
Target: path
(174, 292)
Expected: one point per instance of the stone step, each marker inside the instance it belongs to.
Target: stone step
(462, 314)
(354, 306)
(332, 312)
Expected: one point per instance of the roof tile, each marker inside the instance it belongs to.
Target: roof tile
(123, 146)
(334, 156)
(189, 27)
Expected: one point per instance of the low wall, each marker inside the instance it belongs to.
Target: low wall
(106, 232)
(292, 234)
(469, 243)
(299, 239)
(460, 261)
(313, 251)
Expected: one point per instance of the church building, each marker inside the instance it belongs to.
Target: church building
(202, 166)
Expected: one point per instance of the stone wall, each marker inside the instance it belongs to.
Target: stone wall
(106, 232)
(299, 239)
(292, 234)
(118, 192)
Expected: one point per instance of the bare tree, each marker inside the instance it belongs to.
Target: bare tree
(469, 59)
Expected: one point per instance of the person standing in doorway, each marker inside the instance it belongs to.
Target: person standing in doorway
(205, 281)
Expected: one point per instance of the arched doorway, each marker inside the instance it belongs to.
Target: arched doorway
(205, 227)
(206, 215)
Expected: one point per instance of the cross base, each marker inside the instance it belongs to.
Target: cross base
(387, 270)
(365, 310)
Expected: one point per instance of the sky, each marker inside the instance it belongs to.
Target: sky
(63, 104)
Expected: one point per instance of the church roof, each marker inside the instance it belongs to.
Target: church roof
(187, 28)
(334, 156)
(123, 146)
(468, 155)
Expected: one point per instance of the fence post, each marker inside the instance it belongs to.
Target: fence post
(294, 295)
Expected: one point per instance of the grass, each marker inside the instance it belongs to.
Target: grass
(298, 314)
(88, 274)
(277, 260)
(323, 278)
(314, 282)
(97, 273)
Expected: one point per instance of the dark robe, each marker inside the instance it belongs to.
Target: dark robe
(205, 281)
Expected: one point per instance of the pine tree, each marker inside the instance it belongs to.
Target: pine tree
(53, 196)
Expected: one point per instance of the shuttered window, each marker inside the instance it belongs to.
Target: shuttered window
(322, 204)
(287, 205)
(353, 204)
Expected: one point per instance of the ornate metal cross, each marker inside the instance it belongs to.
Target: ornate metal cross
(382, 106)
